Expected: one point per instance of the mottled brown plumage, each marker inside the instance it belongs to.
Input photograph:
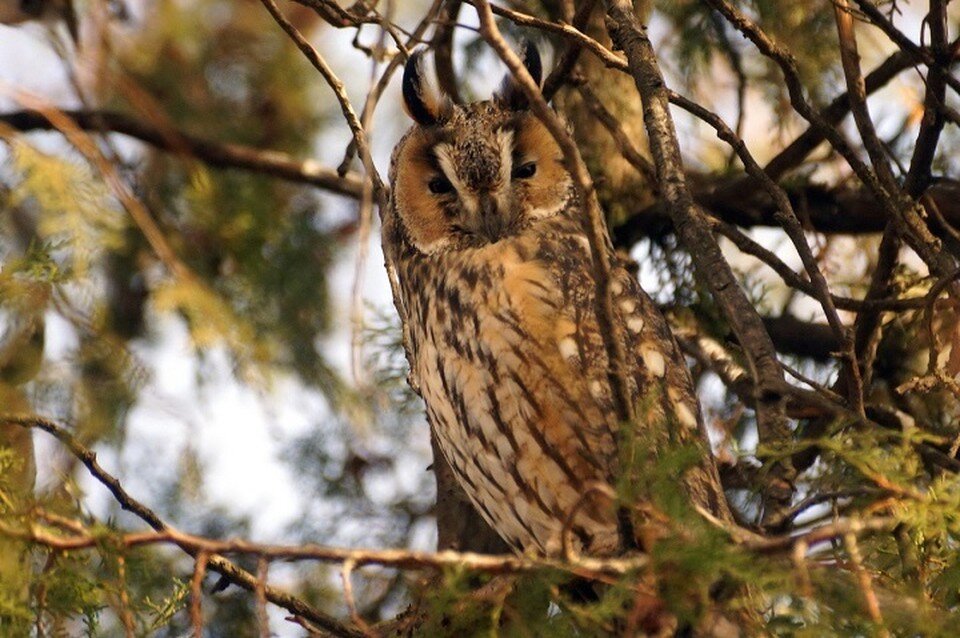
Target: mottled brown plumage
(497, 288)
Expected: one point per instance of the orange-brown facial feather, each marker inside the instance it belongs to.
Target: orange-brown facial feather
(547, 188)
(478, 163)
(425, 218)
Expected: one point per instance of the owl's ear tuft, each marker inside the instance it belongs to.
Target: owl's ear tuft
(421, 102)
(510, 93)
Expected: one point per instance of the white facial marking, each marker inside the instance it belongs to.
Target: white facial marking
(450, 172)
(505, 141)
(628, 306)
(432, 247)
(545, 211)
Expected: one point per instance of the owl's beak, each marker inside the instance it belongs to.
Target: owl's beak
(494, 223)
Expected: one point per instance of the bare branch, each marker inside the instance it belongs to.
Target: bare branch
(791, 224)
(263, 621)
(196, 593)
(349, 114)
(865, 582)
(604, 54)
(828, 210)
(694, 231)
(227, 569)
(267, 162)
(395, 558)
(822, 534)
(931, 59)
(900, 208)
(833, 114)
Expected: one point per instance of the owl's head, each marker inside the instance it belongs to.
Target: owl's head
(470, 175)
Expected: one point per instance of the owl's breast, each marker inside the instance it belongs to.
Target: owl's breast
(506, 364)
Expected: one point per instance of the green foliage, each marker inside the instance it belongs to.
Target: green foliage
(517, 608)
(799, 26)
(83, 295)
(75, 211)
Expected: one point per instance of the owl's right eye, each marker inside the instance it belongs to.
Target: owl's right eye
(440, 186)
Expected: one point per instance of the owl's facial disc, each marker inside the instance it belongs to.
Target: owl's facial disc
(473, 181)
(483, 175)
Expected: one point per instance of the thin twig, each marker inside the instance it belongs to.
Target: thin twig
(126, 617)
(604, 54)
(366, 225)
(799, 558)
(349, 114)
(346, 577)
(865, 582)
(219, 564)
(932, 59)
(263, 620)
(822, 534)
(196, 593)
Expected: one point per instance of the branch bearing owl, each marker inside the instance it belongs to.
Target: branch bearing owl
(485, 235)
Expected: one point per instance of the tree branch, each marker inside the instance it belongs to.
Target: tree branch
(218, 155)
(349, 114)
(582, 566)
(227, 569)
(896, 204)
(765, 369)
(827, 210)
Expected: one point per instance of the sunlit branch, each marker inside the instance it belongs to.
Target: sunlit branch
(694, 232)
(339, 90)
(227, 569)
(395, 558)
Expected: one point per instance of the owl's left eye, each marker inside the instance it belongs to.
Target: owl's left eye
(524, 171)
(440, 186)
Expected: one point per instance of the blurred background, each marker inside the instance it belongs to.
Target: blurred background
(230, 349)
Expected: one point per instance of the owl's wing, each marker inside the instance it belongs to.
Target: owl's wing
(514, 374)
(665, 399)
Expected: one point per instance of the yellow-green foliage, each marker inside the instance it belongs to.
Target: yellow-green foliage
(213, 322)
(75, 211)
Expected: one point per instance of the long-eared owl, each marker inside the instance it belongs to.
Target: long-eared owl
(484, 232)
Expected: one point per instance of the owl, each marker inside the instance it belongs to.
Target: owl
(485, 235)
